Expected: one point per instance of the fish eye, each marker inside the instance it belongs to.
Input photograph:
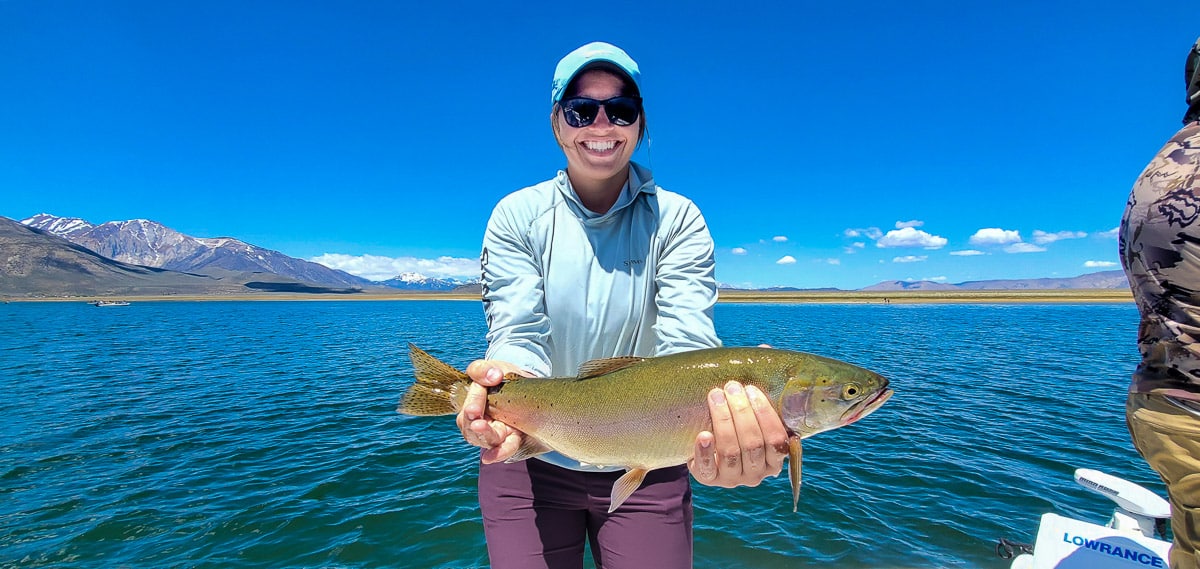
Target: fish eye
(851, 391)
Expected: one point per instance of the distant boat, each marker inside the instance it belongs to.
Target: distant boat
(110, 303)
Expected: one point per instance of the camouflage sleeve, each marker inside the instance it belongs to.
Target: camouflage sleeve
(1159, 245)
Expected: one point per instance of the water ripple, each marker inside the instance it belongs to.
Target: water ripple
(238, 434)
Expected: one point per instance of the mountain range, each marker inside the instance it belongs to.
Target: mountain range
(47, 255)
(145, 243)
(151, 244)
(1102, 279)
(34, 263)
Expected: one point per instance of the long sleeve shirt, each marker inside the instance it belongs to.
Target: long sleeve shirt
(1159, 244)
(563, 285)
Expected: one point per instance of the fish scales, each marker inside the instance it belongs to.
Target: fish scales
(651, 410)
(645, 413)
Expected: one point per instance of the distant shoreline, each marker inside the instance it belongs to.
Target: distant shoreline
(1057, 296)
(1077, 296)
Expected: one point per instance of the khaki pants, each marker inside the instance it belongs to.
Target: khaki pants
(1168, 437)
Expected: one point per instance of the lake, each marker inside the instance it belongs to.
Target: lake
(264, 434)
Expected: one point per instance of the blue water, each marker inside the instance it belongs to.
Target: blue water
(264, 434)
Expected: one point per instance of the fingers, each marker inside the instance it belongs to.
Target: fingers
(774, 433)
(474, 405)
(749, 434)
(703, 463)
(473, 421)
(498, 440)
(505, 449)
(488, 372)
(748, 439)
(727, 454)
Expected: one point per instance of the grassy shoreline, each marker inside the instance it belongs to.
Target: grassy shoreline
(1077, 296)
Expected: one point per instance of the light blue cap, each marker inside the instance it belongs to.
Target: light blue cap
(588, 56)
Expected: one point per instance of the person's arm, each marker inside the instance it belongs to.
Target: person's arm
(686, 286)
(514, 293)
(517, 331)
(748, 440)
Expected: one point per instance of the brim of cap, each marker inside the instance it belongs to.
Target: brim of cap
(605, 64)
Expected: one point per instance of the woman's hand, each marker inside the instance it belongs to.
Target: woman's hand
(498, 440)
(747, 444)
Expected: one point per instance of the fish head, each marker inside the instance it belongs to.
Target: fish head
(823, 394)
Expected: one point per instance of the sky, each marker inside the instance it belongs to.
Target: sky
(828, 144)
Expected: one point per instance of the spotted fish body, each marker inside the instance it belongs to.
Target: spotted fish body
(645, 413)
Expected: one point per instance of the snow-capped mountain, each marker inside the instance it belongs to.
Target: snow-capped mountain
(417, 281)
(60, 226)
(151, 244)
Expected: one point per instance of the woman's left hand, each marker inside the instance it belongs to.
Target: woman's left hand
(747, 444)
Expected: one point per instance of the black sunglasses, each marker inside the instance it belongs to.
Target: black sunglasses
(582, 111)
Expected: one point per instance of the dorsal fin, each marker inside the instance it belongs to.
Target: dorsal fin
(599, 367)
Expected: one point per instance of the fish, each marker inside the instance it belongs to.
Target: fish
(644, 413)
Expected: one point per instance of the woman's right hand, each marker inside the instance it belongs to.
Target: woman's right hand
(498, 440)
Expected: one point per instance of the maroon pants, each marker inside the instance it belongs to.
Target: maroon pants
(537, 515)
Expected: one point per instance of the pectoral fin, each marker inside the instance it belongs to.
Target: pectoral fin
(624, 486)
(794, 470)
(529, 448)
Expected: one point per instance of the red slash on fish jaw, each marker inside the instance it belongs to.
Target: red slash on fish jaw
(869, 407)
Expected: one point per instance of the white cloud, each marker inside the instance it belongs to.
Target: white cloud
(786, 260)
(869, 233)
(1042, 238)
(909, 237)
(1110, 234)
(1099, 264)
(779, 239)
(738, 251)
(909, 259)
(1023, 248)
(833, 261)
(854, 247)
(379, 268)
(995, 236)
(967, 253)
(913, 223)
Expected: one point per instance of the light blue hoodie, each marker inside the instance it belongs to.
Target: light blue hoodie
(563, 285)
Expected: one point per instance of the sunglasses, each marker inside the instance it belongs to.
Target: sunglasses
(582, 111)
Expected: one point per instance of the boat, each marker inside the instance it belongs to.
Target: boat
(1133, 537)
(110, 303)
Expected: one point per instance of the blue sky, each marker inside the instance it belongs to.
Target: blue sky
(830, 144)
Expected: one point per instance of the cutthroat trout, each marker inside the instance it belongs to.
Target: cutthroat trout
(645, 413)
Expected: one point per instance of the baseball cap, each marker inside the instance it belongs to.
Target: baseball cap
(591, 55)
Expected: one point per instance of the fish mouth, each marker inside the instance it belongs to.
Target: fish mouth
(867, 406)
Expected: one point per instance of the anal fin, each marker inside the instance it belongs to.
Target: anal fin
(624, 487)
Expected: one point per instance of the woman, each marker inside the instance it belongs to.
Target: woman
(601, 262)
(1159, 245)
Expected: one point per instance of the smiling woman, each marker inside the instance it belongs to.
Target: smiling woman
(601, 262)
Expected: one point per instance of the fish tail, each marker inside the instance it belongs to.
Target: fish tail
(440, 389)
